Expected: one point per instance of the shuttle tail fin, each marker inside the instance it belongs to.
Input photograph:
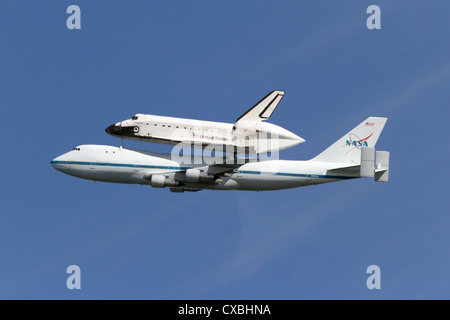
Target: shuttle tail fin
(348, 148)
(264, 108)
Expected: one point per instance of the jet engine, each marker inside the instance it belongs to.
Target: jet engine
(160, 181)
(196, 175)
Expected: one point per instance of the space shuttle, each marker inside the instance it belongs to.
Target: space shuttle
(248, 134)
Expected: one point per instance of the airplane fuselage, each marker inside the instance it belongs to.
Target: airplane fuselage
(122, 165)
(248, 134)
(260, 137)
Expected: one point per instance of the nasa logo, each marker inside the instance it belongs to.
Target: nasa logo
(354, 141)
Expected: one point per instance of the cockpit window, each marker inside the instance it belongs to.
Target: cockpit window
(76, 149)
(134, 118)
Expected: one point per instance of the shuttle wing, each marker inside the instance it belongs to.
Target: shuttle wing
(264, 108)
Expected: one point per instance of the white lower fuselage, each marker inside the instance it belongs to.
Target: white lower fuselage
(121, 165)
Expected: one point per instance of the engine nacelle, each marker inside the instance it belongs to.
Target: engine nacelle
(196, 175)
(159, 181)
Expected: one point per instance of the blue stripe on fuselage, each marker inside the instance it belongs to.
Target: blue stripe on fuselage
(284, 174)
(110, 164)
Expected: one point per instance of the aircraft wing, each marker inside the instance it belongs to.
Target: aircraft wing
(264, 108)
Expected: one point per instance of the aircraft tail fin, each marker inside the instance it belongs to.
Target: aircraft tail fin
(348, 148)
(264, 108)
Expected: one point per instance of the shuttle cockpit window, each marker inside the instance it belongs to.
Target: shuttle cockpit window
(76, 149)
(134, 118)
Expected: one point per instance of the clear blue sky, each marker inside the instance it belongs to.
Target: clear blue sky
(213, 60)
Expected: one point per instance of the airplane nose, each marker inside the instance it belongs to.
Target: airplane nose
(119, 130)
(113, 129)
(58, 162)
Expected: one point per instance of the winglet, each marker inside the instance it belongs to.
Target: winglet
(264, 108)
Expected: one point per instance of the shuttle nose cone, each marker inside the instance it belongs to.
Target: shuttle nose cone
(119, 130)
(113, 130)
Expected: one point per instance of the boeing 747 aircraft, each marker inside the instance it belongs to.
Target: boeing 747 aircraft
(249, 132)
(352, 156)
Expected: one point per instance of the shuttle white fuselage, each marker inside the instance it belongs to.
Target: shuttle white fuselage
(249, 133)
(258, 137)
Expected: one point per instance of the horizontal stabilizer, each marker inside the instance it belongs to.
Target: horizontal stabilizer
(382, 166)
(367, 162)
